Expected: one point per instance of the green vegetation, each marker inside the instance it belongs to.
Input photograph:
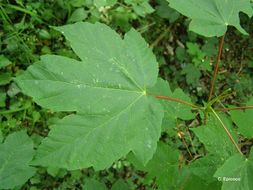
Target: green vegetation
(126, 95)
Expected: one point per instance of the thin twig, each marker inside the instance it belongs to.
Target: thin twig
(216, 66)
(145, 28)
(193, 148)
(235, 108)
(183, 140)
(226, 130)
(13, 111)
(162, 35)
(187, 148)
(177, 100)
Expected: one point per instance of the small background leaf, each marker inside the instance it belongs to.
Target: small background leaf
(4, 61)
(163, 166)
(15, 154)
(92, 184)
(215, 139)
(120, 185)
(243, 119)
(211, 17)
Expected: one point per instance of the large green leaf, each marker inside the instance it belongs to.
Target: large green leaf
(211, 17)
(243, 119)
(236, 173)
(108, 90)
(15, 154)
(111, 74)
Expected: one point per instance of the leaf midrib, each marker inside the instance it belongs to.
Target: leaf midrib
(86, 85)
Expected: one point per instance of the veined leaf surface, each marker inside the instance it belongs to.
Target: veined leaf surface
(108, 90)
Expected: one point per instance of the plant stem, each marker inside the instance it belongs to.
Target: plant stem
(190, 138)
(221, 96)
(183, 139)
(13, 111)
(160, 38)
(145, 28)
(177, 100)
(226, 130)
(216, 67)
(235, 108)
(25, 11)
